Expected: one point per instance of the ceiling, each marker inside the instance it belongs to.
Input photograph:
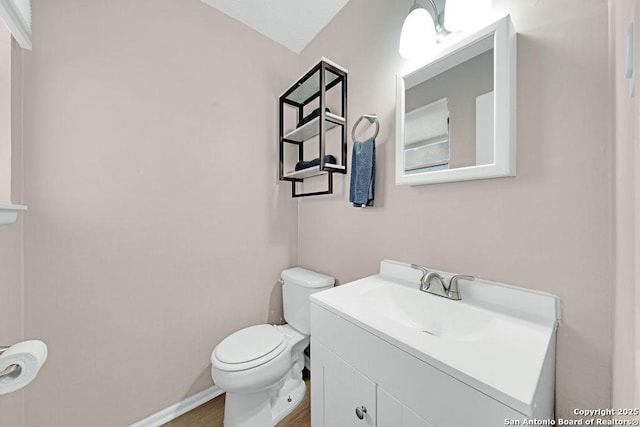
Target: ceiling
(292, 23)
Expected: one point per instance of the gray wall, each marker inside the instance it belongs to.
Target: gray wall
(549, 228)
(156, 226)
(625, 379)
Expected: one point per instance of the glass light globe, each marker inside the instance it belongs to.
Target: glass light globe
(418, 34)
(460, 15)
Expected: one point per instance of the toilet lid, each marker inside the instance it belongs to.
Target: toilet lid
(249, 344)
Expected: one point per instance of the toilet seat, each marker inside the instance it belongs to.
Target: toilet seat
(249, 348)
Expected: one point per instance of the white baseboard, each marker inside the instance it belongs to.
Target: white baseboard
(184, 406)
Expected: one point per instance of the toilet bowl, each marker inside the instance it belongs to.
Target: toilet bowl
(260, 367)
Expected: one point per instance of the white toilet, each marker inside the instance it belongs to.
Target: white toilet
(260, 367)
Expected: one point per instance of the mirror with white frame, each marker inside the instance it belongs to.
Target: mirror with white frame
(455, 114)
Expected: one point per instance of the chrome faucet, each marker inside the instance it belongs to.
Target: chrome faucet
(441, 289)
(423, 284)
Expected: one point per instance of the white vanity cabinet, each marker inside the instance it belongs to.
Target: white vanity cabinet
(385, 354)
(392, 413)
(343, 389)
(351, 399)
(353, 368)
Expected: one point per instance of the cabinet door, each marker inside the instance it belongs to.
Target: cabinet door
(411, 419)
(389, 410)
(348, 397)
(392, 413)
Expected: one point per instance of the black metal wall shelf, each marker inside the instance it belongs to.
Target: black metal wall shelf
(312, 87)
(315, 171)
(311, 129)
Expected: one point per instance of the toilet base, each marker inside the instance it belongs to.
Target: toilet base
(290, 397)
(265, 408)
(279, 385)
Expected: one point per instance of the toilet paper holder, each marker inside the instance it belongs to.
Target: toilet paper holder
(11, 368)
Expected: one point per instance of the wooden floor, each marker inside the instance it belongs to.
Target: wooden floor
(211, 414)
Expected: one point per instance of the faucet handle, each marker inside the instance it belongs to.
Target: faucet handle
(454, 292)
(421, 268)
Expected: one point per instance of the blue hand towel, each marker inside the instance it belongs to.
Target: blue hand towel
(363, 173)
(315, 162)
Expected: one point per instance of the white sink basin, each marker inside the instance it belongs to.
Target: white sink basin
(495, 339)
(433, 315)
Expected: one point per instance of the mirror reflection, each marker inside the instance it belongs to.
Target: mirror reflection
(449, 117)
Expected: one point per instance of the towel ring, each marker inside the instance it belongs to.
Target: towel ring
(372, 118)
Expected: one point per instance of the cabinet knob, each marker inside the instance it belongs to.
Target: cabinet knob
(360, 412)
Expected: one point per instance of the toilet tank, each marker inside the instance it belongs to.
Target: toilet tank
(297, 285)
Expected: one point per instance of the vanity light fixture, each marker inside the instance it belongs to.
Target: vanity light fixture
(426, 24)
(421, 29)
